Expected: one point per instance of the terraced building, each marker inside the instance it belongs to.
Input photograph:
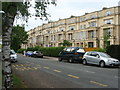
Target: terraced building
(87, 30)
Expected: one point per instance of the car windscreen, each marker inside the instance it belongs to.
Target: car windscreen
(105, 55)
(29, 52)
(12, 52)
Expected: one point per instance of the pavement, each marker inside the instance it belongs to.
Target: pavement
(53, 58)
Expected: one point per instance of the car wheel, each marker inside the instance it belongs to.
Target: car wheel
(84, 62)
(41, 56)
(71, 60)
(35, 56)
(59, 59)
(102, 64)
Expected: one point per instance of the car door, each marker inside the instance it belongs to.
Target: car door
(67, 53)
(88, 57)
(62, 54)
(95, 58)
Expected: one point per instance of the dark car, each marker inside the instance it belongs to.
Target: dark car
(37, 54)
(72, 54)
(29, 53)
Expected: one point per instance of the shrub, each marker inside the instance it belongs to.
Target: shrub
(21, 50)
(100, 50)
(51, 51)
(47, 51)
(30, 49)
(114, 51)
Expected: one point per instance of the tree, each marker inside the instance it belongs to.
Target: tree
(66, 43)
(19, 36)
(106, 38)
(12, 10)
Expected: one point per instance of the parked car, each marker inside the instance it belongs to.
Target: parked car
(29, 53)
(71, 54)
(99, 58)
(13, 56)
(37, 54)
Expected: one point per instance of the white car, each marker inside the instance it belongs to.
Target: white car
(99, 58)
(13, 56)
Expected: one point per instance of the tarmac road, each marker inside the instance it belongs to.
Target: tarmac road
(48, 72)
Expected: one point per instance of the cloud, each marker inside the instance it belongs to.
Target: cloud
(66, 8)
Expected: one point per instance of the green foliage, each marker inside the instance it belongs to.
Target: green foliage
(41, 6)
(100, 50)
(0, 46)
(17, 82)
(19, 36)
(47, 51)
(114, 51)
(66, 43)
(30, 49)
(19, 9)
(21, 50)
(52, 51)
(106, 40)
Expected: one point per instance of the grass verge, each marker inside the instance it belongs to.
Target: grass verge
(17, 82)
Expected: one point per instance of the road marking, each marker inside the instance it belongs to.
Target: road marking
(46, 67)
(97, 83)
(72, 76)
(38, 67)
(56, 70)
(22, 65)
(29, 68)
(22, 69)
(25, 68)
(16, 68)
(35, 68)
(90, 72)
(13, 65)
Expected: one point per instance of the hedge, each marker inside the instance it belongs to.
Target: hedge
(21, 50)
(51, 51)
(47, 51)
(99, 50)
(114, 51)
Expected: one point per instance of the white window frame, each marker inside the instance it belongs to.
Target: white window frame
(108, 13)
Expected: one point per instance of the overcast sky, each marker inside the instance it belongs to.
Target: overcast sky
(66, 8)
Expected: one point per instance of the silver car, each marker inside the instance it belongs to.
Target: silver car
(99, 58)
(13, 56)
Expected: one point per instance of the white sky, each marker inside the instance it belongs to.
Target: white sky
(66, 8)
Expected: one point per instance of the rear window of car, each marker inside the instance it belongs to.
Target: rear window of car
(70, 49)
(81, 50)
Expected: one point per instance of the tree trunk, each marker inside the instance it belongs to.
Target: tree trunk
(6, 38)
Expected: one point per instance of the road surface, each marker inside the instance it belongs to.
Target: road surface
(50, 73)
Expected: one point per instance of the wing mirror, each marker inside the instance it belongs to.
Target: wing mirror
(97, 56)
